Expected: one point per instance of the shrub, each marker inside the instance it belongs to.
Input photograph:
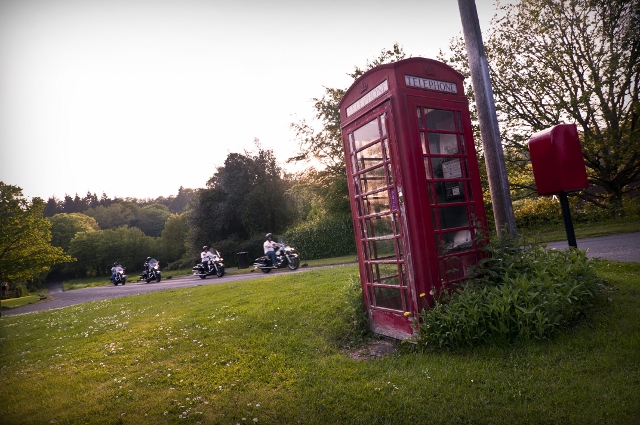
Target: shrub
(538, 211)
(323, 238)
(542, 211)
(21, 290)
(515, 294)
(230, 248)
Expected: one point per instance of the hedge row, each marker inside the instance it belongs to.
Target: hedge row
(546, 210)
(323, 238)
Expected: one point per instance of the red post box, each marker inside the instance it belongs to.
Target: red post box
(556, 158)
(414, 185)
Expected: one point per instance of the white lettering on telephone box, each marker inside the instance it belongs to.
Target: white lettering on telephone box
(376, 92)
(426, 83)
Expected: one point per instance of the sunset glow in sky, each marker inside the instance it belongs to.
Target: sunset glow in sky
(137, 98)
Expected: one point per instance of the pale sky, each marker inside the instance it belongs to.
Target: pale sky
(136, 98)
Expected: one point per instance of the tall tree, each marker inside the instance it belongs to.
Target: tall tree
(572, 61)
(174, 237)
(328, 179)
(151, 219)
(25, 235)
(65, 226)
(246, 196)
(179, 204)
(52, 207)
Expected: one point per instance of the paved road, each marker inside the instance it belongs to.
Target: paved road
(625, 247)
(61, 299)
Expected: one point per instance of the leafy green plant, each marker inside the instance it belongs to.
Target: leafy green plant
(356, 311)
(516, 293)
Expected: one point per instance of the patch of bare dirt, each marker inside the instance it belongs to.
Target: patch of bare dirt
(374, 349)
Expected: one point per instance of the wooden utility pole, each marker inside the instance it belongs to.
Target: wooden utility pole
(489, 130)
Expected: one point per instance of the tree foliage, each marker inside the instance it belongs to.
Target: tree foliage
(152, 218)
(177, 204)
(325, 145)
(115, 215)
(25, 236)
(97, 251)
(246, 196)
(65, 226)
(325, 182)
(174, 236)
(571, 61)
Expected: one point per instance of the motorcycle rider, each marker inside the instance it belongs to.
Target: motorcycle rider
(114, 270)
(270, 249)
(145, 267)
(206, 257)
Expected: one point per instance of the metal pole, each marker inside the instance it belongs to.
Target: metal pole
(489, 130)
(568, 223)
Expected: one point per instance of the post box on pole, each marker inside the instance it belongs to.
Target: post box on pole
(558, 167)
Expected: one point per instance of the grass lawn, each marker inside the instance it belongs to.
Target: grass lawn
(556, 232)
(17, 302)
(272, 351)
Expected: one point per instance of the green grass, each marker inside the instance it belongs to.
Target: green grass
(556, 232)
(18, 302)
(86, 282)
(271, 351)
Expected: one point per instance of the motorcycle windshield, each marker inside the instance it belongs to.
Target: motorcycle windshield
(119, 269)
(153, 262)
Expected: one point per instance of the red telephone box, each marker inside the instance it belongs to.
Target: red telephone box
(416, 198)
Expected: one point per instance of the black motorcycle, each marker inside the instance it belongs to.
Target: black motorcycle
(152, 272)
(285, 256)
(120, 277)
(211, 267)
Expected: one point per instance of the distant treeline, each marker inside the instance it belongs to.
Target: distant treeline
(176, 204)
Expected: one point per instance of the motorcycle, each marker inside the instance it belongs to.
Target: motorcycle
(285, 256)
(211, 267)
(152, 272)
(120, 277)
